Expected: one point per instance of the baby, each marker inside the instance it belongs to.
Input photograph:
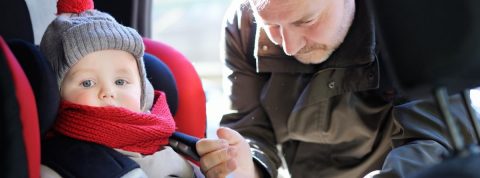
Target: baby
(111, 123)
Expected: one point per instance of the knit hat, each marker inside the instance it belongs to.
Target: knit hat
(70, 37)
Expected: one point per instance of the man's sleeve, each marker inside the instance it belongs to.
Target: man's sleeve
(422, 140)
(244, 85)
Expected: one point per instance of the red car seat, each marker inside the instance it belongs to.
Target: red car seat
(191, 110)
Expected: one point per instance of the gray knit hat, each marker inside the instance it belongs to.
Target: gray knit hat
(71, 37)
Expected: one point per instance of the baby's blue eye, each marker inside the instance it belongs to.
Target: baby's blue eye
(87, 83)
(120, 82)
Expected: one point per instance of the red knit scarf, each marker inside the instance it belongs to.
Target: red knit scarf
(117, 127)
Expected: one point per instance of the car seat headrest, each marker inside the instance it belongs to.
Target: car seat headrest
(41, 78)
(162, 79)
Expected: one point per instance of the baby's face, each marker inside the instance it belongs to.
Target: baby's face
(104, 78)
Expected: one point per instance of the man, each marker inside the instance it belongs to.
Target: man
(304, 75)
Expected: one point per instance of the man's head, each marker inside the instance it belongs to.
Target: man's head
(309, 30)
(72, 38)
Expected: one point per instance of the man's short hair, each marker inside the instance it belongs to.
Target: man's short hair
(258, 4)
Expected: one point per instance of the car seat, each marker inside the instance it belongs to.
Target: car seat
(191, 110)
(19, 129)
(46, 94)
(27, 85)
(163, 81)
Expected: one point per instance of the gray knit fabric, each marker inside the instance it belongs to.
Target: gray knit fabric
(71, 37)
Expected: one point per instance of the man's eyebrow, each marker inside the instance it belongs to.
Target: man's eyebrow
(305, 18)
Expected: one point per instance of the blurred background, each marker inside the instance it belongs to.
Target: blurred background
(193, 27)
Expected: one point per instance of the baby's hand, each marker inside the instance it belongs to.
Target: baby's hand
(228, 155)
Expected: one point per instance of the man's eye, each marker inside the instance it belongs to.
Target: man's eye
(307, 22)
(87, 83)
(120, 82)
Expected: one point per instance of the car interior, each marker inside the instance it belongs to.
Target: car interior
(431, 64)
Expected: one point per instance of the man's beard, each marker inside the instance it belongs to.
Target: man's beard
(317, 53)
(314, 54)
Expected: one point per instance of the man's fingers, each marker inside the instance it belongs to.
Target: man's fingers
(230, 135)
(216, 158)
(205, 146)
(221, 170)
(219, 157)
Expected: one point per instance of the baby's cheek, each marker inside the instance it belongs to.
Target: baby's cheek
(83, 98)
(132, 102)
(87, 100)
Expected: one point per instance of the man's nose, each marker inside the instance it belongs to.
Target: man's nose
(292, 41)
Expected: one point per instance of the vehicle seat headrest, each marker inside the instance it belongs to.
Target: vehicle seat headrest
(162, 79)
(41, 78)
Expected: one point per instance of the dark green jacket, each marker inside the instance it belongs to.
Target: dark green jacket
(334, 119)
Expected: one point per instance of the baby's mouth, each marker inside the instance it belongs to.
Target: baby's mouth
(110, 104)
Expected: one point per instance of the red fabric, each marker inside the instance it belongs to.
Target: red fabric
(191, 112)
(118, 127)
(73, 6)
(28, 112)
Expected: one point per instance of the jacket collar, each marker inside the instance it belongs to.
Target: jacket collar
(358, 48)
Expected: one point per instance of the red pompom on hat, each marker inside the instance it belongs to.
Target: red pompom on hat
(73, 6)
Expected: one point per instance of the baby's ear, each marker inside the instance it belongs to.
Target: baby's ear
(148, 96)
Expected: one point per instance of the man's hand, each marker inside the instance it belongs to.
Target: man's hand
(228, 155)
